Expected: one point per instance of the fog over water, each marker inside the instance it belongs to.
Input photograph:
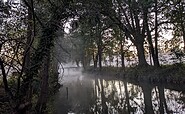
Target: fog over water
(84, 94)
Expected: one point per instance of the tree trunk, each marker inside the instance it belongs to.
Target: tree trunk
(103, 99)
(127, 97)
(7, 89)
(95, 60)
(100, 52)
(163, 104)
(27, 53)
(181, 21)
(184, 38)
(54, 68)
(151, 48)
(122, 54)
(156, 58)
(141, 55)
(29, 41)
(41, 103)
(147, 90)
(183, 33)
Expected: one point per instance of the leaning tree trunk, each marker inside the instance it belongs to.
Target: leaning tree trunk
(42, 101)
(41, 53)
(46, 43)
(4, 75)
(5, 81)
(44, 48)
(29, 42)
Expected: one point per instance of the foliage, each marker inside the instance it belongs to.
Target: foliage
(32, 36)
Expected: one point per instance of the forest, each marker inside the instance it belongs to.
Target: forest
(129, 37)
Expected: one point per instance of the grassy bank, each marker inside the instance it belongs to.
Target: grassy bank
(168, 73)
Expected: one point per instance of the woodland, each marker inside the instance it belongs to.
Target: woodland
(37, 36)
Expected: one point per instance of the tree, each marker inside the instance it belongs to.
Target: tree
(17, 49)
(130, 20)
(97, 24)
(44, 50)
(177, 16)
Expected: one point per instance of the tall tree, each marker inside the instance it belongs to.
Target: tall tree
(43, 50)
(129, 18)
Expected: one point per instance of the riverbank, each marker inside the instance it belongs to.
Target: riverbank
(168, 73)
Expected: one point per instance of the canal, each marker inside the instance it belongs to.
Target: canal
(96, 94)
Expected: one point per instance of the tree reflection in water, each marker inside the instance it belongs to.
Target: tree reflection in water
(103, 96)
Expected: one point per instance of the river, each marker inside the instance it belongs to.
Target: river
(84, 94)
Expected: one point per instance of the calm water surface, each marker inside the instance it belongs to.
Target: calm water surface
(83, 94)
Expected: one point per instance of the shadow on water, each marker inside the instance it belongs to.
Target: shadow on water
(83, 94)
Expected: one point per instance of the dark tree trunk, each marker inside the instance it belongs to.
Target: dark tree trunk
(55, 65)
(29, 41)
(41, 53)
(77, 63)
(156, 58)
(41, 103)
(161, 97)
(85, 62)
(163, 104)
(95, 60)
(54, 69)
(100, 52)
(141, 55)
(122, 54)
(5, 82)
(27, 53)
(147, 90)
(37, 60)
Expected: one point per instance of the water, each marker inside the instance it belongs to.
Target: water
(82, 94)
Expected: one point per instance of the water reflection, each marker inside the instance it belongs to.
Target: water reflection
(92, 95)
